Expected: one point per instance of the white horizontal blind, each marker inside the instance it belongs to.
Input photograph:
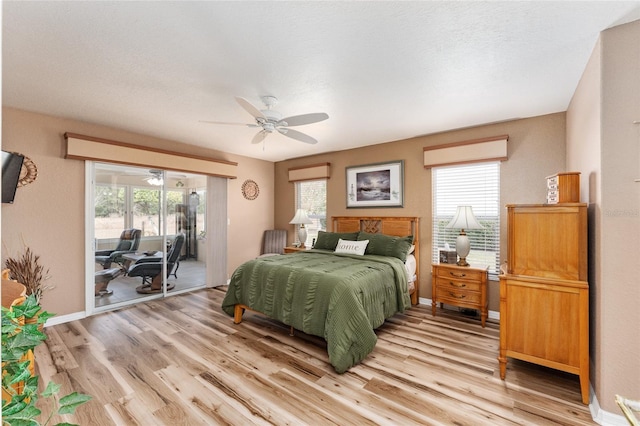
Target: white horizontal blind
(476, 185)
(311, 196)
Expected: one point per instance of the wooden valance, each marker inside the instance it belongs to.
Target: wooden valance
(80, 147)
(485, 149)
(311, 172)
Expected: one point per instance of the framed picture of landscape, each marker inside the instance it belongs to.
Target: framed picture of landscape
(375, 185)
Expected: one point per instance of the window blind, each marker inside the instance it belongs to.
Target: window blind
(477, 185)
(311, 196)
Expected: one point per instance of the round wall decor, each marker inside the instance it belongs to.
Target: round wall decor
(250, 189)
(28, 173)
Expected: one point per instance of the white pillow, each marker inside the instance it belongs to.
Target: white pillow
(351, 247)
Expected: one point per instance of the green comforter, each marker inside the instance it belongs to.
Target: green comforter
(339, 297)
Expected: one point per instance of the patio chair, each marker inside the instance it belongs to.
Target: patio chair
(150, 269)
(129, 242)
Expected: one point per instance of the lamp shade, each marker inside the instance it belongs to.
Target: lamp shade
(300, 218)
(464, 219)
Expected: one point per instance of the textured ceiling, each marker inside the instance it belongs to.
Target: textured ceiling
(383, 71)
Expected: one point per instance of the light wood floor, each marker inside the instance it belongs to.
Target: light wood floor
(182, 361)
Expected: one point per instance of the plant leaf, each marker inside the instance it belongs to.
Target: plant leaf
(25, 417)
(69, 403)
(52, 389)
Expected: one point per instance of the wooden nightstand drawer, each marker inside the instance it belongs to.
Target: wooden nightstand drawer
(457, 296)
(460, 273)
(458, 285)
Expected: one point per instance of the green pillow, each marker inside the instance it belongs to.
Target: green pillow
(329, 240)
(385, 245)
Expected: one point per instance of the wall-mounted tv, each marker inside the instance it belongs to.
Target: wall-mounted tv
(11, 165)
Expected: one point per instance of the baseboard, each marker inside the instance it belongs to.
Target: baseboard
(603, 417)
(61, 319)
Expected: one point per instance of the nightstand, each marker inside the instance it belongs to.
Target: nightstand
(461, 286)
(291, 249)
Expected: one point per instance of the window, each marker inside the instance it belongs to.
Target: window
(477, 185)
(312, 197)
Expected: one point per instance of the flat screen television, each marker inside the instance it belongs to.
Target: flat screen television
(11, 165)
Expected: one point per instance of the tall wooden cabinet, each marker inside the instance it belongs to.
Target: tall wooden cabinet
(544, 293)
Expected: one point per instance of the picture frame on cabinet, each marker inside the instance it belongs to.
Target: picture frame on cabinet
(375, 185)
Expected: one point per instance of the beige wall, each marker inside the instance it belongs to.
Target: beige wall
(603, 140)
(584, 154)
(536, 149)
(48, 215)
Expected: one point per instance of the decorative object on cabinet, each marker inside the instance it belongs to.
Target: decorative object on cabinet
(301, 219)
(375, 185)
(544, 294)
(563, 188)
(447, 256)
(461, 286)
(250, 189)
(464, 219)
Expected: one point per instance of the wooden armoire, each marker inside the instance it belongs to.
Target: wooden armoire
(544, 293)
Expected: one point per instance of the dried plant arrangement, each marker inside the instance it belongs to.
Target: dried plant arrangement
(27, 269)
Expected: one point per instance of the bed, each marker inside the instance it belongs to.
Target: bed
(331, 291)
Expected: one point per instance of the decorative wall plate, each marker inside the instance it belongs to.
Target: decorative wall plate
(250, 189)
(28, 173)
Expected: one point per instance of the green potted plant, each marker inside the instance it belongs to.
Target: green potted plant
(19, 386)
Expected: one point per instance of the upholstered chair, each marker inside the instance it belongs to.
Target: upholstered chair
(129, 242)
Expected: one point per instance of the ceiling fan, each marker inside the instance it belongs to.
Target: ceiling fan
(269, 121)
(155, 178)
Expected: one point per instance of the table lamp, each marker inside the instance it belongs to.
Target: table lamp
(301, 219)
(464, 219)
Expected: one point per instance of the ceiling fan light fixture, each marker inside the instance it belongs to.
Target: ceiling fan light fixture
(156, 178)
(270, 121)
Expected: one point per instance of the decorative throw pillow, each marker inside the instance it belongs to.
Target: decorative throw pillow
(351, 247)
(385, 245)
(329, 240)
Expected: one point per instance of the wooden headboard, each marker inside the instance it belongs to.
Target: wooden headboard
(388, 225)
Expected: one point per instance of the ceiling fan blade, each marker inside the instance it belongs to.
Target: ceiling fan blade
(255, 112)
(229, 123)
(259, 137)
(299, 120)
(299, 136)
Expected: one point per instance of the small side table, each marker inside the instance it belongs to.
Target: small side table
(461, 286)
(292, 249)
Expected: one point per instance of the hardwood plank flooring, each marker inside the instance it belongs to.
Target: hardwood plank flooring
(182, 361)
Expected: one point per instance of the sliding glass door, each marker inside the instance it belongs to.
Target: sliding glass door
(147, 229)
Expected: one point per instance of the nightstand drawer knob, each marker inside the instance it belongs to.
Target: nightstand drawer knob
(457, 296)
(457, 285)
(462, 275)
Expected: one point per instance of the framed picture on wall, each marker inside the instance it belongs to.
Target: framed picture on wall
(375, 185)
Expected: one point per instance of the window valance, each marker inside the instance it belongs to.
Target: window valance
(311, 172)
(485, 149)
(80, 147)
